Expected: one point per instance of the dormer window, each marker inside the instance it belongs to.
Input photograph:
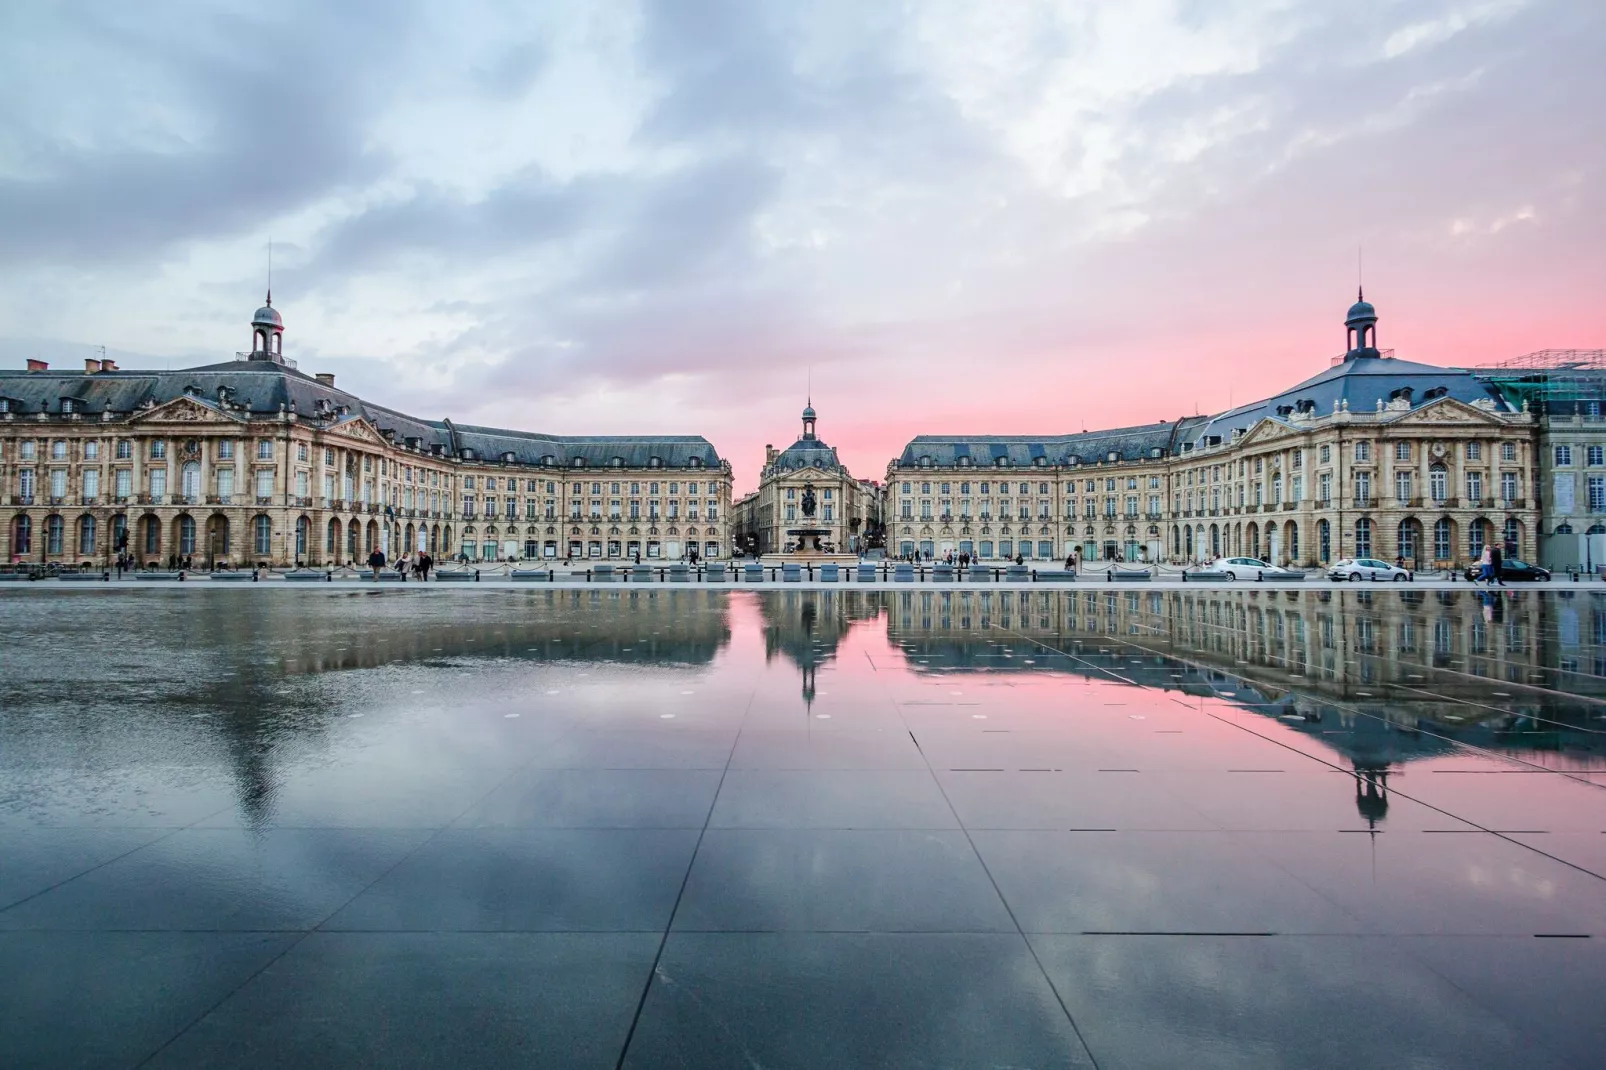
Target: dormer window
(695, 462)
(549, 460)
(507, 458)
(964, 462)
(579, 462)
(1041, 462)
(655, 462)
(617, 462)
(1112, 456)
(66, 405)
(1000, 461)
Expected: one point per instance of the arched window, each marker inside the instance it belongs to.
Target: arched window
(1439, 482)
(1293, 541)
(1477, 537)
(186, 535)
(190, 481)
(22, 534)
(86, 535)
(1441, 539)
(331, 544)
(1363, 537)
(1324, 541)
(303, 530)
(54, 526)
(1406, 537)
(153, 535)
(262, 536)
(1513, 536)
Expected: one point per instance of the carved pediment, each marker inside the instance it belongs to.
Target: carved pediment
(359, 429)
(185, 410)
(1451, 411)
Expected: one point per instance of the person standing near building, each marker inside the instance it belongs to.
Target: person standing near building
(376, 561)
(1496, 560)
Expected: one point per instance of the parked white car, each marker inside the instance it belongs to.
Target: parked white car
(1367, 568)
(1249, 568)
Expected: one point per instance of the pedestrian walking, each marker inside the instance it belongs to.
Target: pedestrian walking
(401, 567)
(1496, 560)
(1485, 569)
(376, 561)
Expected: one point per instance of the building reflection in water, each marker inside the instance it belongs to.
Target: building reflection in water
(1382, 678)
(1378, 678)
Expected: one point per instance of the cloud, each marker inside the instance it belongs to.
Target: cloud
(132, 130)
(961, 218)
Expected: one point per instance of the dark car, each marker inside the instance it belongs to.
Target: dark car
(1512, 569)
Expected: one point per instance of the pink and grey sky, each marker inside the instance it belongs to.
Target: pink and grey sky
(1024, 217)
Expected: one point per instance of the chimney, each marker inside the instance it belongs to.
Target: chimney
(326, 378)
(37, 365)
(108, 365)
(91, 365)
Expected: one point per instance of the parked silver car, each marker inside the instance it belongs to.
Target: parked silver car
(1251, 568)
(1367, 568)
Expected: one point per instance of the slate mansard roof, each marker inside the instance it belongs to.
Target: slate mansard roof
(1364, 381)
(265, 387)
(1024, 451)
(1358, 383)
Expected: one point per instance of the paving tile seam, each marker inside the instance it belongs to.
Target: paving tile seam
(999, 892)
(68, 880)
(303, 935)
(680, 894)
(1438, 809)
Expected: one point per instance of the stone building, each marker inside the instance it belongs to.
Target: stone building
(252, 460)
(1371, 457)
(847, 509)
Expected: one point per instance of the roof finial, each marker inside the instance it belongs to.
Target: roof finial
(270, 272)
(1360, 274)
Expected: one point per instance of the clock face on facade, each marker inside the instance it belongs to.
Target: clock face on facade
(1438, 449)
(192, 448)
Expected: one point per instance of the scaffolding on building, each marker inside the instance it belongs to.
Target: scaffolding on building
(1551, 380)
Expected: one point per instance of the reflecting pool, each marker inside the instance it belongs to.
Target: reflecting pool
(661, 828)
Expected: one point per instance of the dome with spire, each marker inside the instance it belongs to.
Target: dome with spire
(267, 315)
(808, 412)
(1360, 311)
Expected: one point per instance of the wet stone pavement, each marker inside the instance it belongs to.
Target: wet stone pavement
(930, 828)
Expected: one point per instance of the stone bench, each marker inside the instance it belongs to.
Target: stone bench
(753, 573)
(307, 577)
(980, 574)
(903, 573)
(456, 577)
(640, 573)
(679, 572)
(230, 577)
(81, 577)
(601, 573)
(531, 575)
(1052, 576)
(158, 575)
(866, 574)
(792, 572)
(715, 573)
(1017, 574)
(830, 573)
(942, 572)
(389, 575)
(1116, 575)
(1206, 577)
(13, 577)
